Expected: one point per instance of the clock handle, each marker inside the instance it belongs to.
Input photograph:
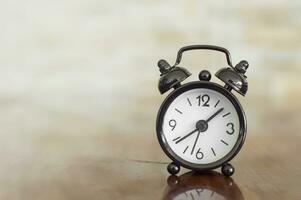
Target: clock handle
(208, 47)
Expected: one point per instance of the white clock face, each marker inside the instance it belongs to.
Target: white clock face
(201, 126)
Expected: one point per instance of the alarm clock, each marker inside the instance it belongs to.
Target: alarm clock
(201, 125)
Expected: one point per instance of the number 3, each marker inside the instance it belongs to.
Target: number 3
(231, 125)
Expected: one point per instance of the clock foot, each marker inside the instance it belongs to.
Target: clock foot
(228, 169)
(173, 168)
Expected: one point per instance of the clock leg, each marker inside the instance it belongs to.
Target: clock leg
(228, 169)
(173, 168)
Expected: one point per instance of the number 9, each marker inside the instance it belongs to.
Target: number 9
(172, 124)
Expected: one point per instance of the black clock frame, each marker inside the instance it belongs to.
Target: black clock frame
(207, 85)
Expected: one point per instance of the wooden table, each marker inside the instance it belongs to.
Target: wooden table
(133, 167)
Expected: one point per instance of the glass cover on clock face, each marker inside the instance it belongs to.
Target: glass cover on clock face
(201, 126)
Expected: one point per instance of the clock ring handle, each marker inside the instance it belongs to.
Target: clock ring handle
(208, 47)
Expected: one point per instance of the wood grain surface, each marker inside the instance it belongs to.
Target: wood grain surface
(134, 167)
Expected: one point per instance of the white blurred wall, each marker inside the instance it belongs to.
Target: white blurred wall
(71, 70)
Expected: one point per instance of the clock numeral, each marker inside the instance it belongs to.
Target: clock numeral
(172, 123)
(199, 155)
(231, 126)
(205, 99)
(199, 191)
(199, 98)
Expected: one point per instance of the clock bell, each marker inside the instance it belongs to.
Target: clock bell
(171, 76)
(234, 77)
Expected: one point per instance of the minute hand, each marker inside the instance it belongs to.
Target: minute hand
(216, 113)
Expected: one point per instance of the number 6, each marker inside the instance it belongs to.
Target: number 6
(199, 154)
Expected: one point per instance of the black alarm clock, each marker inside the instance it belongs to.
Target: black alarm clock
(201, 125)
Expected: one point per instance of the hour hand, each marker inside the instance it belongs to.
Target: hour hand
(186, 136)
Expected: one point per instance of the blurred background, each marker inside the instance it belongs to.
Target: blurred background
(79, 78)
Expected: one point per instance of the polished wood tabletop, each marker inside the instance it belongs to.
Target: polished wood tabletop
(134, 167)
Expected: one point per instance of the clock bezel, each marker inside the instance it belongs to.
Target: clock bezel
(206, 85)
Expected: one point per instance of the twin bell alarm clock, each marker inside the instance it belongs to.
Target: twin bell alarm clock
(200, 124)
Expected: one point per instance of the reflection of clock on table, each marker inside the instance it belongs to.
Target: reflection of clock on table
(201, 125)
(193, 186)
